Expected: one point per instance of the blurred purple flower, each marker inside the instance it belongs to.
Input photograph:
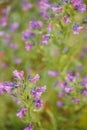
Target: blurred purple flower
(45, 39)
(22, 112)
(70, 77)
(29, 127)
(34, 79)
(3, 22)
(35, 24)
(78, 4)
(14, 26)
(53, 73)
(27, 6)
(84, 92)
(57, 9)
(17, 60)
(67, 20)
(27, 34)
(13, 45)
(1, 88)
(75, 100)
(28, 46)
(77, 28)
(18, 75)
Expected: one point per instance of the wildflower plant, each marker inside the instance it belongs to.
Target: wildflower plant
(49, 39)
(26, 94)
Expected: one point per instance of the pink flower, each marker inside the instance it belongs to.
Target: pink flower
(79, 5)
(22, 112)
(50, 27)
(1, 88)
(77, 28)
(8, 89)
(27, 6)
(14, 26)
(67, 20)
(18, 75)
(57, 9)
(68, 89)
(75, 100)
(45, 39)
(17, 101)
(28, 46)
(3, 21)
(34, 79)
(41, 89)
(53, 73)
(13, 45)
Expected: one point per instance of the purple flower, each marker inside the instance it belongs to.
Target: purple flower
(70, 77)
(17, 101)
(84, 93)
(22, 112)
(17, 60)
(27, 6)
(1, 88)
(14, 26)
(29, 127)
(62, 85)
(35, 24)
(60, 104)
(28, 46)
(53, 73)
(41, 89)
(81, 7)
(7, 38)
(67, 20)
(36, 93)
(57, 9)
(27, 34)
(44, 14)
(39, 24)
(77, 28)
(4, 65)
(68, 89)
(3, 21)
(13, 45)
(50, 27)
(18, 75)
(34, 79)
(61, 94)
(84, 82)
(44, 5)
(38, 103)
(75, 100)
(45, 39)
(78, 4)
(8, 86)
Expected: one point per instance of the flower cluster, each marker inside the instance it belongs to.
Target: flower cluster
(79, 5)
(72, 89)
(28, 98)
(36, 93)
